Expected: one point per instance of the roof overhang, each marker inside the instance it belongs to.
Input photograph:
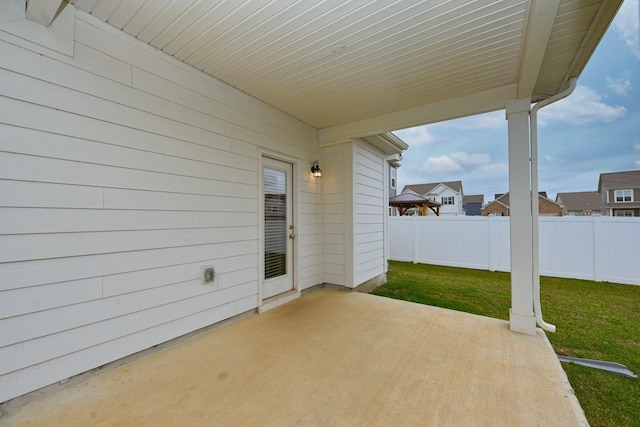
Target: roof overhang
(388, 143)
(357, 68)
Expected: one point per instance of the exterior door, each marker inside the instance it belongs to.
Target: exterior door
(278, 227)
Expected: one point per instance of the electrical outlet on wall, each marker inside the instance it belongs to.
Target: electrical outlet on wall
(208, 274)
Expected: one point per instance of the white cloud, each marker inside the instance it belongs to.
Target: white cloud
(471, 159)
(637, 163)
(494, 167)
(461, 161)
(636, 146)
(548, 159)
(583, 106)
(441, 165)
(418, 136)
(626, 23)
(621, 85)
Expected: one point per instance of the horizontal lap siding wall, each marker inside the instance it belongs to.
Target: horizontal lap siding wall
(369, 207)
(336, 170)
(122, 173)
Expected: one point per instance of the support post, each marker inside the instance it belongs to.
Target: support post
(521, 318)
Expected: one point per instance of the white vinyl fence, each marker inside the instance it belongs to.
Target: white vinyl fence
(602, 248)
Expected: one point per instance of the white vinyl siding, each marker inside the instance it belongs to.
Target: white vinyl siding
(369, 209)
(354, 213)
(450, 199)
(336, 179)
(122, 173)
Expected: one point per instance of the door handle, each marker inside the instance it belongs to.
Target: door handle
(292, 234)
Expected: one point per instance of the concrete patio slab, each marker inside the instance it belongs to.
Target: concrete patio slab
(330, 358)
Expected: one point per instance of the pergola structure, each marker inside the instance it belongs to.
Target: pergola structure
(406, 201)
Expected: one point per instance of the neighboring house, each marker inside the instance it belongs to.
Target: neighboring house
(500, 206)
(580, 203)
(145, 144)
(393, 165)
(472, 205)
(620, 192)
(448, 194)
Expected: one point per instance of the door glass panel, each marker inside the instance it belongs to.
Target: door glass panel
(275, 223)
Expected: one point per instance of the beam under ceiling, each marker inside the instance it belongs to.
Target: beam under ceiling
(481, 102)
(542, 15)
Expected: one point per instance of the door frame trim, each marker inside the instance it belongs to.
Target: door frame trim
(295, 206)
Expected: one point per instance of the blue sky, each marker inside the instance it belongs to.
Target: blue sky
(594, 130)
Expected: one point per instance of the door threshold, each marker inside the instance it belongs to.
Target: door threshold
(277, 300)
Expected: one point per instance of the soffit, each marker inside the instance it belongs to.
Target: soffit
(377, 64)
(578, 27)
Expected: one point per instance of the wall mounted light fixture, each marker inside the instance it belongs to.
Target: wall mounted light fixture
(315, 170)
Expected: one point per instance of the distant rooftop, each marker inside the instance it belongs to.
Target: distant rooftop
(501, 195)
(580, 201)
(427, 187)
(473, 198)
(619, 180)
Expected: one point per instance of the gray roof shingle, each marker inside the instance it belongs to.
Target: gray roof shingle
(580, 201)
(619, 180)
(427, 187)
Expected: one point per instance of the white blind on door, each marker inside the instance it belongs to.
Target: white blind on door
(275, 223)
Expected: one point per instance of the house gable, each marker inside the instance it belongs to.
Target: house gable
(580, 203)
(495, 208)
(442, 190)
(449, 194)
(500, 206)
(620, 192)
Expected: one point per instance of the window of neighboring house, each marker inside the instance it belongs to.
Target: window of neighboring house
(623, 196)
(448, 200)
(624, 212)
(392, 173)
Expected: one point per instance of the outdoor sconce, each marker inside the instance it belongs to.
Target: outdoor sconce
(315, 170)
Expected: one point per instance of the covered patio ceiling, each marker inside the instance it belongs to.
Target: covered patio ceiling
(353, 68)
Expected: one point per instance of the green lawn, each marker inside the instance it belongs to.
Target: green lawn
(594, 320)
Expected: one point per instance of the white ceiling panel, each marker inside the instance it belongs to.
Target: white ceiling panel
(154, 26)
(103, 9)
(333, 63)
(140, 20)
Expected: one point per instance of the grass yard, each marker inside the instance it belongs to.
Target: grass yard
(594, 320)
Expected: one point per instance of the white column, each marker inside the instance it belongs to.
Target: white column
(521, 318)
